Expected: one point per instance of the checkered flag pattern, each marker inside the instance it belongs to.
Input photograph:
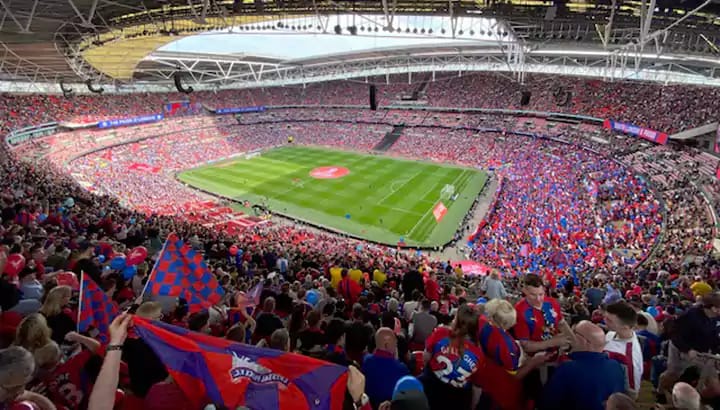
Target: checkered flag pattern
(181, 271)
(96, 309)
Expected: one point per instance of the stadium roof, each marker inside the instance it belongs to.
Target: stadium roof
(134, 40)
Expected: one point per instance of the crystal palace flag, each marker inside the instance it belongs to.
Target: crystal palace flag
(181, 271)
(213, 370)
(96, 309)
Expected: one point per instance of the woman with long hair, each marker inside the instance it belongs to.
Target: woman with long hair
(57, 313)
(453, 358)
(32, 333)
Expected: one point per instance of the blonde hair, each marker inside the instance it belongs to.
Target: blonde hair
(149, 310)
(33, 332)
(501, 312)
(48, 356)
(53, 302)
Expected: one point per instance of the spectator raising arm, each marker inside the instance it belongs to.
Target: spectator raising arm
(103, 393)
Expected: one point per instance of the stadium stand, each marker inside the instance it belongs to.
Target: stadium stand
(589, 229)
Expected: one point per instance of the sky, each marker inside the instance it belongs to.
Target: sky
(285, 43)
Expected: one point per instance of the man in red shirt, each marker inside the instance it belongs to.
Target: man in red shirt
(348, 289)
(540, 323)
(432, 289)
(540, 327)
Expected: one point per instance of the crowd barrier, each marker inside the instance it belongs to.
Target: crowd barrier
(26, 134)
(490, 212)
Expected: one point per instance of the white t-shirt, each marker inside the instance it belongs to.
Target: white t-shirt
(409, 309)
(630, 349)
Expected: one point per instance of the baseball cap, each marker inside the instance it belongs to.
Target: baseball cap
(410, 400)
(407, 383)
(409, 395)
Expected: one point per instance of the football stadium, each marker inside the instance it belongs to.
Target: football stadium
(377, 198)
(366, 205)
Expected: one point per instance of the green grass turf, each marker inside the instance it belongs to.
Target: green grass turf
(387, 198)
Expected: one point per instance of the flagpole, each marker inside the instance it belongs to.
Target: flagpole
(82, 281)
(147, 282)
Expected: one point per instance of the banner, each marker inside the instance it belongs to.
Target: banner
(240, 110)
(472, 268)
(176, 107)
(119, 122)
(439, 212)
(645, 133)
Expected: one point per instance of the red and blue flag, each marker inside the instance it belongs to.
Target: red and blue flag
(245, 304)
(96, 309)
(181, 271)
(251, 298)
(218, 371)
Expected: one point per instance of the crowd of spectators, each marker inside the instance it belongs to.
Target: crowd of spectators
(628, 227)
(560, 208)
(580, 326)
(666, 108)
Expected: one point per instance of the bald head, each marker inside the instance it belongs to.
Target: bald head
(385, 340)
(589, 337)
(685, 397)
(620, 401)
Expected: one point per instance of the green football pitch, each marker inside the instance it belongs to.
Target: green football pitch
(378, 198)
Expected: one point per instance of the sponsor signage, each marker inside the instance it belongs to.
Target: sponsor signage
(240, 110)
(120, 122)
(638, 131)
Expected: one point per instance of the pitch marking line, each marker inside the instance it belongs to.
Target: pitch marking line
(393, 188)
(302, 185)
(429, 211)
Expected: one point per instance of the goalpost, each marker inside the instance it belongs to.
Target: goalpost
(447, 192)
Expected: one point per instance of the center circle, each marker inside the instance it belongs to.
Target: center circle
(330, 172)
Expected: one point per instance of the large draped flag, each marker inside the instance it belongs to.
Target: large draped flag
(96, 309)
(213, 370)
(181, 271)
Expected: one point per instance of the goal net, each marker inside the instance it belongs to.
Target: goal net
(447, 192)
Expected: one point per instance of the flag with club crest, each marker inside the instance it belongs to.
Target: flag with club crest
(218, 371)
(181, 271)
(96, 309)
